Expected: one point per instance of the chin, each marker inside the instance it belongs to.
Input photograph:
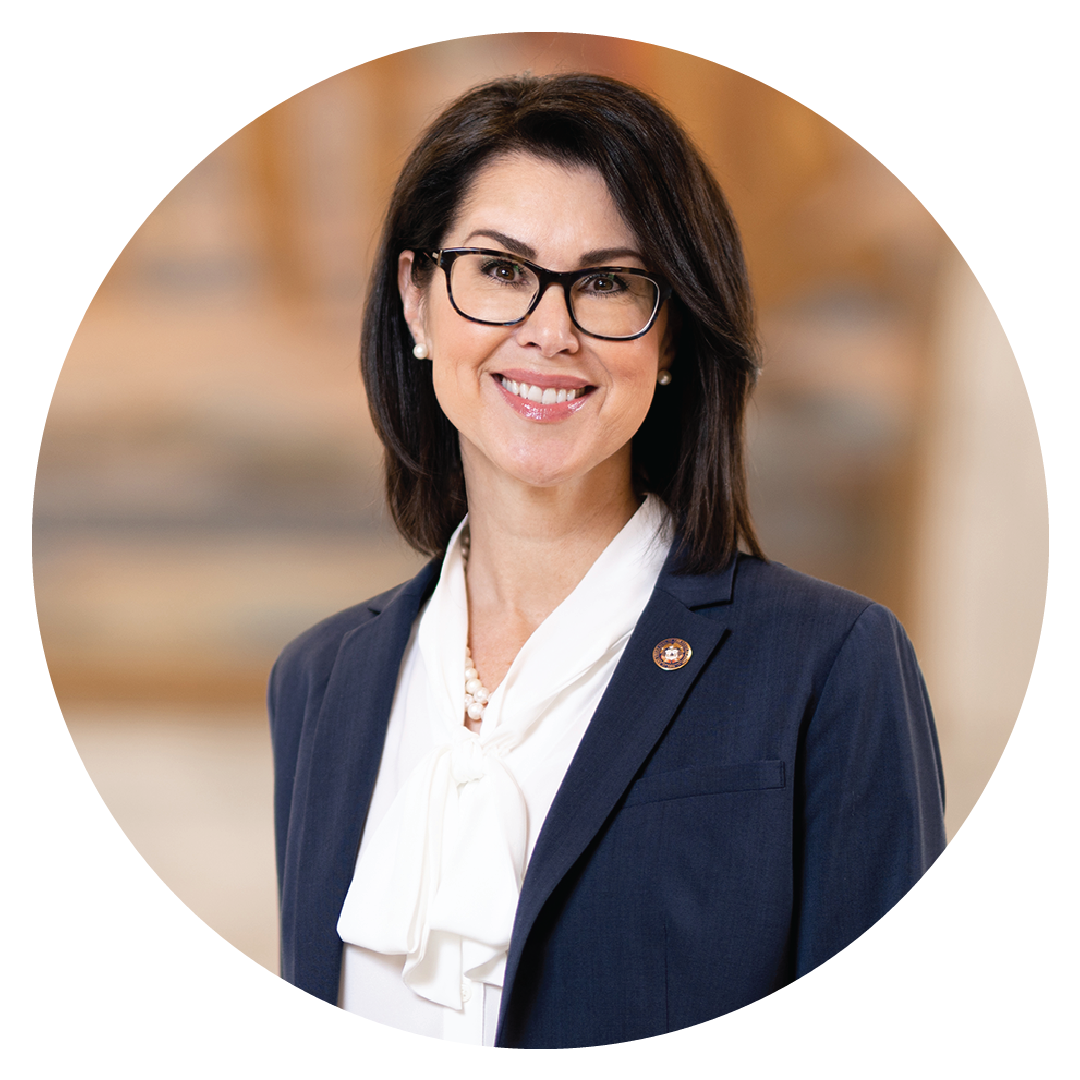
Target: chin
(543, 477)
(549, 471)
(544, 462)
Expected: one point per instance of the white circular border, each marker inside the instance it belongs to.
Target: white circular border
(106, 106)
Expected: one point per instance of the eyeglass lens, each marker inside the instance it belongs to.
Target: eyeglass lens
(500, 290)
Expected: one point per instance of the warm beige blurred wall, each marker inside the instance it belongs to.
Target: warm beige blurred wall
(981, 560)
(209, 480)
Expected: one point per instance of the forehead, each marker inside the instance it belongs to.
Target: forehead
(541, 202)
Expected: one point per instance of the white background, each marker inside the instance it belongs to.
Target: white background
(107, 105)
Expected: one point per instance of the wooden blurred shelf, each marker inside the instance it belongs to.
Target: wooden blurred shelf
(80, 685)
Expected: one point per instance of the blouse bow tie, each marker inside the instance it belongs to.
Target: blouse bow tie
(439, 880)
(439, 877)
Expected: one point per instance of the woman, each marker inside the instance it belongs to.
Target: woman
(600, 771)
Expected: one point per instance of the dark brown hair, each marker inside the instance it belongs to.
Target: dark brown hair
(689, 449)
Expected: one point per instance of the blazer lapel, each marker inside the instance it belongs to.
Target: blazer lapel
(633, 713)
(333, 796)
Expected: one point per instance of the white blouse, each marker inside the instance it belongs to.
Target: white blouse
(455, 814)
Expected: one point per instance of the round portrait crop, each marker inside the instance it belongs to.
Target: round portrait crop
(601, 770)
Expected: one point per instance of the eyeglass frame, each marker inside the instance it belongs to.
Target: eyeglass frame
(445, 258)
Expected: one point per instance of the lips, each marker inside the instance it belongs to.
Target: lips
(543, 398)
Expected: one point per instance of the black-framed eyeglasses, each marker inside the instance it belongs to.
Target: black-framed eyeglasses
(613, 303)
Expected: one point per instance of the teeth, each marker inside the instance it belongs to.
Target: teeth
(542, 397)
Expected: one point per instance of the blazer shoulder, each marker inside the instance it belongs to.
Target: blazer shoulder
(773, 583)
(847, 639)
(807, 607)
(755, 586)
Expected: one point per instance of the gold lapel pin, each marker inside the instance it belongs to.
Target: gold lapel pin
(672, 653)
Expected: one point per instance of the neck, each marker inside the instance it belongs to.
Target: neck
(529, 548)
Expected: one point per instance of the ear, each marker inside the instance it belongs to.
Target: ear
(412, 299)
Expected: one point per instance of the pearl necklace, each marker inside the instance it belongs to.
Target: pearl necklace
(476, 695)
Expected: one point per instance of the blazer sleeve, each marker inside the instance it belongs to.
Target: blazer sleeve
(293, 698)
(872, 790)
(285, 698)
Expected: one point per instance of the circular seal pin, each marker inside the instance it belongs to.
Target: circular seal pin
(672, 653)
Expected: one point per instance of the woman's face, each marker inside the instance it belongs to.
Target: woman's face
(562, 219)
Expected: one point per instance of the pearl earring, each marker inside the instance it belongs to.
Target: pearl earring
(664, 378)
(420, 351)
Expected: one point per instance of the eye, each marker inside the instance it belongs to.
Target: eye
(504, 271)
(603, 284)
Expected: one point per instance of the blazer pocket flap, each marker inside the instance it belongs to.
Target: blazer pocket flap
(706, 780)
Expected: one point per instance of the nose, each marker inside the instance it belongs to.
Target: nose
(549, 327)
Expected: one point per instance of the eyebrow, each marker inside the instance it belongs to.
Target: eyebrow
(515, 247)
(597, 257)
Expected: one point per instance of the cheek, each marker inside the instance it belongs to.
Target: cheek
(448, 392)
(457, 355)
(443, 324)
(641, 385)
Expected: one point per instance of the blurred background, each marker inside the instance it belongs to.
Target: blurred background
(209, 484)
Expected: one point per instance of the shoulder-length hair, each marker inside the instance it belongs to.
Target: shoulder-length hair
(690, 448)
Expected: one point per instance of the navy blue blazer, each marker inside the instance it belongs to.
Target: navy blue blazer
(722, 829)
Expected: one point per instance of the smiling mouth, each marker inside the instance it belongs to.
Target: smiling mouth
(541, 395)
